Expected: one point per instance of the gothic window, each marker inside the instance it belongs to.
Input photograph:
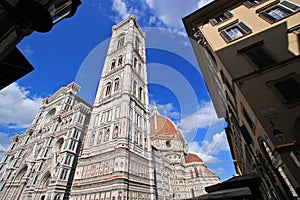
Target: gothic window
(113, 64)
(92, 138)
(75, 133)
(140, 139)
(68, 103)
(116, 130)
(107, 134)
(136, 136)
(58, 145)
(130, 134)
(80, 119)
(72, 145)
(134, 88)
(96, 120)
(120, 60)
(116, 84)
(120, 43)
(35, 179)
(134, 63)
(108, 89)
(140, 69)
(63, 174)
(137, 43)
(68, 160)
(99, 138)
(140, 93)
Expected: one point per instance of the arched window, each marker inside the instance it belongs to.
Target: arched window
(137, 43)
(107, 134)
(140, 69)
(134, 63)
(116, 85)
(108, 89)
(116, 132)
(134, 88)
(113, 64)
(140, 93)
(92, 139)
(99, 139)
(120, 60)
(120, 43)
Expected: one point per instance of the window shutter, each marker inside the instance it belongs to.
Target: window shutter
(228, 14)
(267, 17)
(213, 22)
(225, 36)
(244, 28)
(248, 4)
(289, 5)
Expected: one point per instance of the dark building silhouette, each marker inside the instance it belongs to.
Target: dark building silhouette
(18, 19)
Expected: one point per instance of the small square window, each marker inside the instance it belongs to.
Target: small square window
(220, 18)
(235, 32)
(252, 3)
(260, 57)
(288, 89)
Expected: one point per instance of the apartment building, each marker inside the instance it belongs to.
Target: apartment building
(248, 52)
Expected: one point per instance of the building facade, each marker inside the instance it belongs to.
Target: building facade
(116, 159)
(40, 163)
(111, 150)
(248, 52)
(177, 173)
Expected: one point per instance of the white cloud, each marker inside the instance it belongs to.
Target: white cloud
(167, 14)
(168, 110)
(204, 117)
(17, 109)
(202, 3)
(120, 7)
(172, 12)
(4, 143)
(26, 49)
(209, 150)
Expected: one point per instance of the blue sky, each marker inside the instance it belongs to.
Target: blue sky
(75, 49)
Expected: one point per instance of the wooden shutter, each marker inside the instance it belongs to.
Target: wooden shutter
(213, 22)
(228, 14)
(248, 4)
(289, 5)
(267, 17)
(225, 36)
(245, 28)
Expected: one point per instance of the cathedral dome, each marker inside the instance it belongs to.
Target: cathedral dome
(161, 124)
(189, 158)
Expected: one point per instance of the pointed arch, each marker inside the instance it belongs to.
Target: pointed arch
(45, 180)
(116, 84)
(108, 89)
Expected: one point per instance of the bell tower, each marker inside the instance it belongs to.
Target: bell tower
(116, 158)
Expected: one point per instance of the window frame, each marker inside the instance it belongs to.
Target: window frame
(251, 4)
(240, 26)
(221, 18)
(284, 6)
(254, 48)
(283, 99)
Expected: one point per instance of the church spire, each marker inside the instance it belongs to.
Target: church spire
(155, 110)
